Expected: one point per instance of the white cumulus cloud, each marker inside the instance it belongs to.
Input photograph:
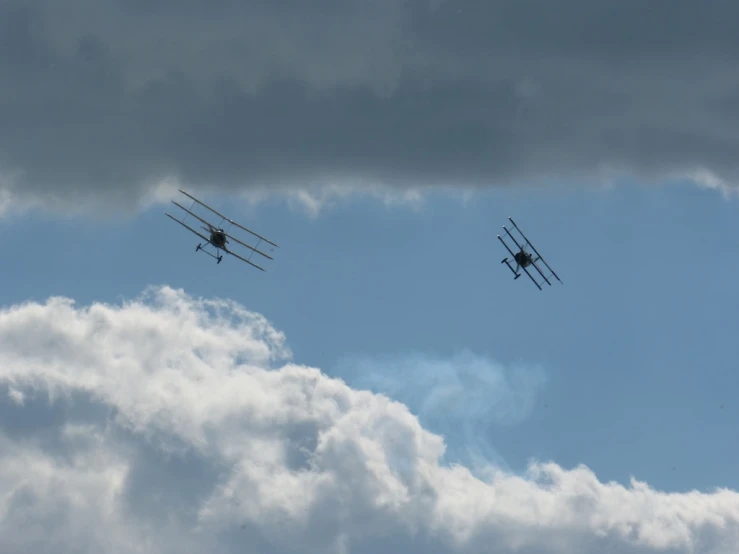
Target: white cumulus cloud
(175, 424)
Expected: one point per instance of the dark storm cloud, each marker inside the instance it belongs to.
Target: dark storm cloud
(112, 96)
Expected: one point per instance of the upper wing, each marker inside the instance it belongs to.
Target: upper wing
(196, 216)
(231, 221)
(187, 227)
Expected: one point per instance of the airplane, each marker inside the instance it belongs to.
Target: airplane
(525, 259)
(217, 237)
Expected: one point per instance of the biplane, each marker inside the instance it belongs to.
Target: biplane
(217, 237)
(525, 259)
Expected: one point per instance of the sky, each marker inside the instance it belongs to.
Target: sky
(385, 384)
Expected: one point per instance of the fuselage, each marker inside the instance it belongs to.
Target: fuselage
(218, 239)
(523, 259)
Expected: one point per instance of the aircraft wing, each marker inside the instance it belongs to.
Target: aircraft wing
(541, 258)
(540, 271)
(188, 227)
(506, 246)
(249, 247)
(196, 216)
(231, 221)
(242, 259)
(532, 277)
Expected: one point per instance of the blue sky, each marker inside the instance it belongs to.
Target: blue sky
(637, 345)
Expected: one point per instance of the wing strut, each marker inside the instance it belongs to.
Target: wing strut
(539, 256)
(232, 222)
(534, 260)
(212, 228)
(186, 226)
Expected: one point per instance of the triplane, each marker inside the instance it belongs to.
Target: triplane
(525, 259)
(218, 238)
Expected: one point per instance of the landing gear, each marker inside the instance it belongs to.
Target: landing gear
(217, 257)
(515, 271)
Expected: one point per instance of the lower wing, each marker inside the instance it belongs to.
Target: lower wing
(188, 227)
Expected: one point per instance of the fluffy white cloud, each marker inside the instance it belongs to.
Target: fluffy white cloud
(173, 424)
(102, 100)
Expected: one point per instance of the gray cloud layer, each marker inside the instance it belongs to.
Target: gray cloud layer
(111, 96)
